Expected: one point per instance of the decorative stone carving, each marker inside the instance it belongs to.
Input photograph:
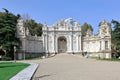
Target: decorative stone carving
(61, 23)
(104, 29)
(27, 32)
(20, 28)
(50, 39)
(89, 33)
(70, 33)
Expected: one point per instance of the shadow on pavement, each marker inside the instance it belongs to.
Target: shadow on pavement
(38, 78)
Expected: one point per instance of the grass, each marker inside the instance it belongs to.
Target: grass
(94, 58)
(9, 69)
(112, 59)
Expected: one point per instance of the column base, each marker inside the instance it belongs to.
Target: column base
(70, 52)
(74, 52)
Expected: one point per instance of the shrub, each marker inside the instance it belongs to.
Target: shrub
(5, 58)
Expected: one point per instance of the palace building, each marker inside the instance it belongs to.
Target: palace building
(65, 36)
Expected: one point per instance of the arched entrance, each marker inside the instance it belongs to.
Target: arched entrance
(62, 44)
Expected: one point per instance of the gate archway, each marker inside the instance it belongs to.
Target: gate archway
(62, 44)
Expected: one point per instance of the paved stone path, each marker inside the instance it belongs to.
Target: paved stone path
(69, 67)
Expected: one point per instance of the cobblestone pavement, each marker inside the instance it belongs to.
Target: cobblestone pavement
(69, 67)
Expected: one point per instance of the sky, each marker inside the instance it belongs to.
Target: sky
(51, 11)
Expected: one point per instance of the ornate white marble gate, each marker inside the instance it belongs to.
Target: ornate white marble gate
(63, 36)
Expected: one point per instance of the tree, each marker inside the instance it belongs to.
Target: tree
(8, 40)
(116, 38)
(34, 27)
(85, 27)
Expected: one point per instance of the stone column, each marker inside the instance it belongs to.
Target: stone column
(34, 45)
(80, 44)
(109, 44)
(102, 44)
(46, 43)
(69, 43)
(72, 43)
(54, 43)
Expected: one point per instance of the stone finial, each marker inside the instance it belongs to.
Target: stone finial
(44, 25)
(89, 32)
(76, 24)
(103, 22)
(20, 20)
(27, 32)
(35, 35)
(61, 23)
(104, 28)
(20, 28)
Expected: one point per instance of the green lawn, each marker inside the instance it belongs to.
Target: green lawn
(112, 59)
(9, 69)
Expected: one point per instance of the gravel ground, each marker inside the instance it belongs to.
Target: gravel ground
(69, 67)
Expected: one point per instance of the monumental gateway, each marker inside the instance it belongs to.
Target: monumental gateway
(64, 36)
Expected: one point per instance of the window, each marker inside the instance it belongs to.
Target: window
(106, 45)
(20, 44)
(100, 45)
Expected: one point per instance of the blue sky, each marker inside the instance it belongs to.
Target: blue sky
(50, 11)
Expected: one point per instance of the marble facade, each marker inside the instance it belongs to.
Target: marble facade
(65, 36)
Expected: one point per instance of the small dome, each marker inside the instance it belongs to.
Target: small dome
(69, 21)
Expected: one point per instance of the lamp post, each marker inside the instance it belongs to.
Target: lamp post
(24, 48)
(14, 54)
(24, 42)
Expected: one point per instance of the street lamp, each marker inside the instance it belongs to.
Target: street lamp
(24, 48)
(14, 54)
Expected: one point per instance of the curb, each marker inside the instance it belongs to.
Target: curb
(27, 73)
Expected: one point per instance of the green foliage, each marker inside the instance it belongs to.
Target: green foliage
(85, 28)
(5, 58)
(116, 36)
(8, 23)
(2, 52)
(34, 27)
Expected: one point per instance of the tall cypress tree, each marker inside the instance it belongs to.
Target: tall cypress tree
(8, 39)
(34, 27)
(116, 37)
(85, 27)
